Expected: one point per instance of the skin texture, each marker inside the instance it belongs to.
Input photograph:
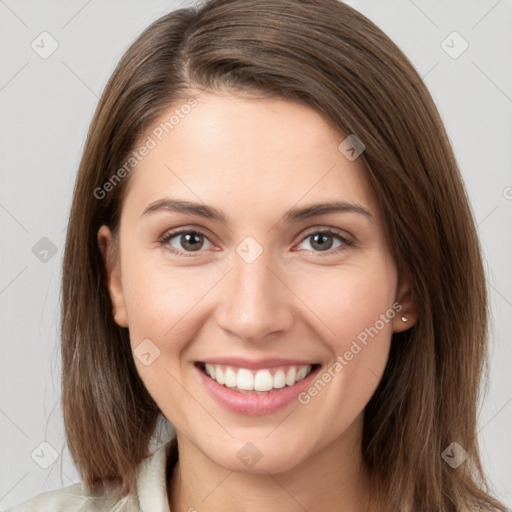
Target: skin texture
(254, 159)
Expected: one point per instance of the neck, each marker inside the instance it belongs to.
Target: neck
(333, 478)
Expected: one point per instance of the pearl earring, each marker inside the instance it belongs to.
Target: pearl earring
(404, 319)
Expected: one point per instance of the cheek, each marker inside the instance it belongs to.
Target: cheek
(347, 301)
(353, 308)
(163, 304)
(160, 299)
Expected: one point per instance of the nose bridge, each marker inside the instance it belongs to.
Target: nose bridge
(254, 302)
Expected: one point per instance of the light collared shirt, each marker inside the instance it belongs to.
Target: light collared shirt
(149, 493)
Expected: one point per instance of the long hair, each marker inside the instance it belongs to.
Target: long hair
(325, 55)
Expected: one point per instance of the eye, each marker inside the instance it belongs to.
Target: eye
(328, 241)
(185, 241)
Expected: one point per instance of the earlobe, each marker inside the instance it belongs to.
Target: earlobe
(407, 316)
(114, 283)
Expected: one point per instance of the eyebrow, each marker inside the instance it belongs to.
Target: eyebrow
(291, 216)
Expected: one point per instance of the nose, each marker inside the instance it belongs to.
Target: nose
(254, 303)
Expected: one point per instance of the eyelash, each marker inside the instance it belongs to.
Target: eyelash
(346, 242)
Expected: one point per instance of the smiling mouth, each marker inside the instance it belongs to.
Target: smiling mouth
(262, 381)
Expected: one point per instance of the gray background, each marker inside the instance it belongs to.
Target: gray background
(46, 105)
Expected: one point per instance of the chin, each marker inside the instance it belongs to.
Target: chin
(256, 457)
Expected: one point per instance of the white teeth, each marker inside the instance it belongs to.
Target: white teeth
(279, 379)
(230, 378)
(261, 381)
(245, 380)
(210, 370)
(303, 371)
(219, 375)
(290, 376)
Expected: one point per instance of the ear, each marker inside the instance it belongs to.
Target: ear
(113, 271)
(407, 316)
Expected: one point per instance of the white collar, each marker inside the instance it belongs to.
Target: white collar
(151, 484)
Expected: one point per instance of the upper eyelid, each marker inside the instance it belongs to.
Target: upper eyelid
(340, 232)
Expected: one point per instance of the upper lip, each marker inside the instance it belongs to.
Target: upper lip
(255, 364)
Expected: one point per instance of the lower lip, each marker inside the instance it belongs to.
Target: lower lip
(252, 404)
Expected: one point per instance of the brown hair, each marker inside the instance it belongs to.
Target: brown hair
(326, 55)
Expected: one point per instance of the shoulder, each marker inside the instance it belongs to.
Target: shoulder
(72, 498)
(149, 494)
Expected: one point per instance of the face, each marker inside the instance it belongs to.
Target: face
(229, 267)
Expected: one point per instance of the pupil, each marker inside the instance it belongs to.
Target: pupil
(322, 240)
(191, 241)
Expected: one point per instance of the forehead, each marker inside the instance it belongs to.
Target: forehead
(243, 153)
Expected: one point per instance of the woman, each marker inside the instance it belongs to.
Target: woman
(270, 245)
